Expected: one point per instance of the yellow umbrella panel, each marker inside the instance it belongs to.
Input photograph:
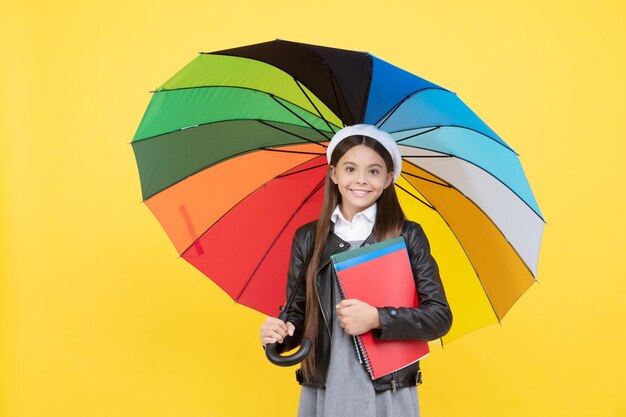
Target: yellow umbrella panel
(482, 272)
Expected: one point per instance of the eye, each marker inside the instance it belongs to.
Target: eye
(374, 171)
(350, 169)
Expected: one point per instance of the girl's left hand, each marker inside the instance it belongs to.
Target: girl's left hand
(357, 317)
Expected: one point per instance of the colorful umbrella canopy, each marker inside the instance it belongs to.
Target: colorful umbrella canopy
(231, 156)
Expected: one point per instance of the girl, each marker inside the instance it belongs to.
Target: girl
(360, 207)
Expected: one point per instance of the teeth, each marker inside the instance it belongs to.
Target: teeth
(359, 192)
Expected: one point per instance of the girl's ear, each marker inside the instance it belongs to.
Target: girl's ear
(333, 174)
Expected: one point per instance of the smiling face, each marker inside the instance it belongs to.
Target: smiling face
(361, 176)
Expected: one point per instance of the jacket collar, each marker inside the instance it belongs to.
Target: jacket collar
(334, 244)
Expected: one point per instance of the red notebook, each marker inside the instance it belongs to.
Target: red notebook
(380, 274)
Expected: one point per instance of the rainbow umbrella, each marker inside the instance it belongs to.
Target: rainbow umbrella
(231, 157)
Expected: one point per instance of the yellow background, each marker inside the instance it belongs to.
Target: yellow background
(99, 316)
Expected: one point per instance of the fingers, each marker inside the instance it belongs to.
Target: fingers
(355, 316)
(266, 340)
(347, 325)
(347, 303)
(274, 322)
(351, 302)
(275, 330)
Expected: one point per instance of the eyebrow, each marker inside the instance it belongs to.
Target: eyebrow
(369, 166)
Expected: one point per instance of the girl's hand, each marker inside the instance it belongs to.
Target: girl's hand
(357, 317)
(275, 330)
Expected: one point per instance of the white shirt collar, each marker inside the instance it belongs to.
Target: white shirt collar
(359, 228)
(369, 214)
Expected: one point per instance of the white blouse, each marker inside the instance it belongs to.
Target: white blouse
(359, 228)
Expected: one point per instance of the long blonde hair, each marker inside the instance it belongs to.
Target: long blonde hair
(388, 224)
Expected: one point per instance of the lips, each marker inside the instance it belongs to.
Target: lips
(360, 193)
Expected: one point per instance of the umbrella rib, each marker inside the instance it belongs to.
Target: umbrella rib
(313, 104)
(233, 207)
(132, 142)
(291, 133)
(427, 179)
(397, 106)
(367, 93)
(418, 134)
(295, 114)
(415, 197)
(380, 124)
(504, 145)
(333, 81)
(300, 171)
(304, 201)
(428, 156)
(296, 152)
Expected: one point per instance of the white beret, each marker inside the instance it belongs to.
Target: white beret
(371, 131)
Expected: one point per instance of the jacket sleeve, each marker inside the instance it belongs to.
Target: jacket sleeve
(295, 313)
(432, 319)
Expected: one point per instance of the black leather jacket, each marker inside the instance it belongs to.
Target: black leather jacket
(431, 320)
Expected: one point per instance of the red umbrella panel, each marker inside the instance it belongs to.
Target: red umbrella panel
(249, 232)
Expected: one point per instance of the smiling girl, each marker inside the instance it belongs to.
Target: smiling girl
(360, 207)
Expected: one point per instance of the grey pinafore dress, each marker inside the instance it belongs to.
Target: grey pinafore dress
(349, 390)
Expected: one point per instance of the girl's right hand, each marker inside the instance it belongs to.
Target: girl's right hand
(275, 330)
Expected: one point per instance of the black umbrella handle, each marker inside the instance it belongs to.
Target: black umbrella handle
(290, 360)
